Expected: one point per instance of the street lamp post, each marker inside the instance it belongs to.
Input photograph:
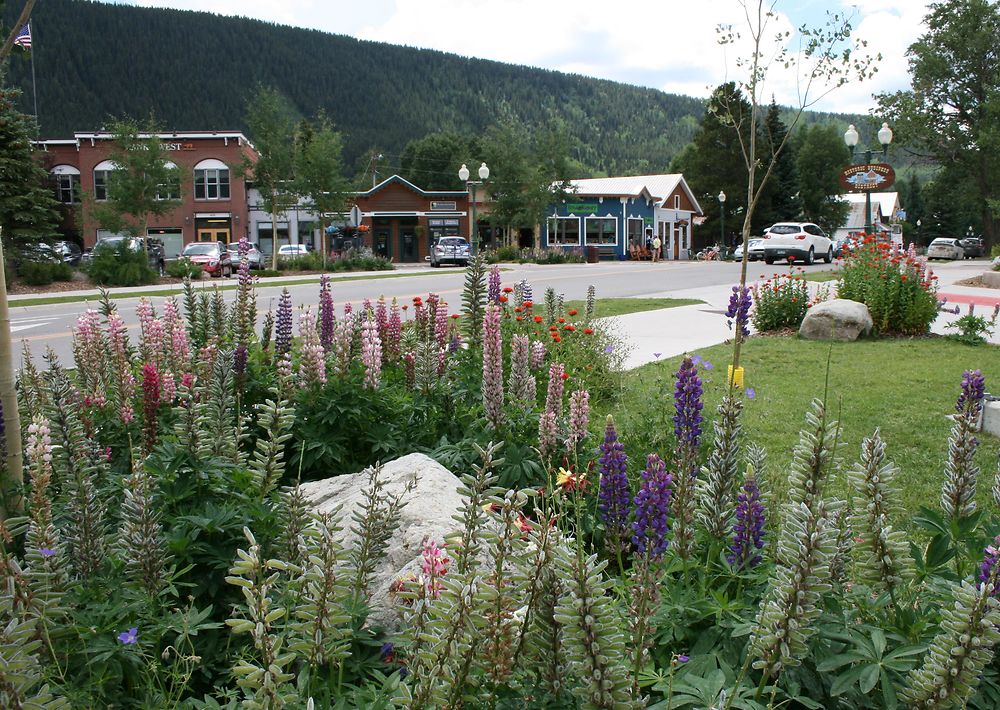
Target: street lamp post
(920, 237)
(722, 219)
(851, 138)
(470, 185)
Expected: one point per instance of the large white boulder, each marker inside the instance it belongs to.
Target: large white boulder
(429, 514)
(838, 319)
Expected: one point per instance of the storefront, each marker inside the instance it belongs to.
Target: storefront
(404, 220)
(618, 215)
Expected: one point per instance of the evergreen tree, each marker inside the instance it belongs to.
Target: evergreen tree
(432, 162)
(28, 208)
(779, 198)
(144, 182)
(821, 156)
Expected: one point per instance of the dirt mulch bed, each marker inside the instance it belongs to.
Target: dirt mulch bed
(976, 282)
(79, 283)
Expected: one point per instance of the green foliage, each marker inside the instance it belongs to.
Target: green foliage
(27, 205)
(144, 182)
(973, 329)
(820, 156)
(183, 269)
(780, 302)
(121, 266)
(900, 294)
(39, 273)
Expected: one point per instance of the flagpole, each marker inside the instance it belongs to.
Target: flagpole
(34, 91)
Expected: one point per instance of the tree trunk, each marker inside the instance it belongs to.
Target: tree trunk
(22, 20)
(12, 480)
(274, 234)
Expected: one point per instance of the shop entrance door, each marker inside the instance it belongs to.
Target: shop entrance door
(213, 235)
(407, 244)
(380, 242)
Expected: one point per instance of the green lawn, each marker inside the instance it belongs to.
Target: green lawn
(606, 307)
(821, 276)
(907, 387)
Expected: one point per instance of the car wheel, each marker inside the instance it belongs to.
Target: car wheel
(435, 264)
(829, 256)
(810, 257)
(464, 264)
(768, 260)
(227, 272)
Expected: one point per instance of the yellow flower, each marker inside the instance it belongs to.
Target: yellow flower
(569, 480)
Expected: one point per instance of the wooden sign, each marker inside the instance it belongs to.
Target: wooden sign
(867, 178)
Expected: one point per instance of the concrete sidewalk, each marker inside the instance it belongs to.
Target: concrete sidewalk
(669, 332)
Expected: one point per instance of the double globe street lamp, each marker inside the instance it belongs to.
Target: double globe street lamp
(870, 179)
(722, 220)
(470, 186)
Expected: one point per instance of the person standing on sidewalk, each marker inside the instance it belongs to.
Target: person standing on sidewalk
(656, 248)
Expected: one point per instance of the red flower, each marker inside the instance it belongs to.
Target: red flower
(508, 289)
(588, 331)
(569, 327)
(553, 327)
(538, 319)
(573, 312)
(557, 339)
(520, 318)
(454, 316)
(528, 304)
(517, 309)
(565, 375)
(503, 299)
(405, 306)
(561, 320)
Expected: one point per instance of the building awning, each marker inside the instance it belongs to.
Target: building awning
(435, 213)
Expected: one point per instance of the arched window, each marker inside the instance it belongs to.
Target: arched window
(101, 172)
(170, 190)
(67, 180)
(211, 180)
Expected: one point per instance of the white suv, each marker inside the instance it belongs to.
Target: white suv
(796, 241)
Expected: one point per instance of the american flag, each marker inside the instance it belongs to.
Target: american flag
(23, 38)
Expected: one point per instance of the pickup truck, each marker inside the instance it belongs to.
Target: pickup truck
(152, 247)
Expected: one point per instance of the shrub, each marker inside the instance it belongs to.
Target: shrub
(265, 272)
(36, 273)
(353, 260)
(554, 256)
(121, 266)
(505, 253)
(310, 261)
(780, 302)
(973, 329)
(184, 269)
(898, 287)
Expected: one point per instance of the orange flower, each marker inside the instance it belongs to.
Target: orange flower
(588, 331)
(570, 480)
(528, 304)
(561, 320)
(520, 318)
(573, 312)
(538, 319)
(503, 299)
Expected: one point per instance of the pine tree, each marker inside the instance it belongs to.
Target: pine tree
(28, 208)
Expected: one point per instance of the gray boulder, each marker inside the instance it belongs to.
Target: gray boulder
(428, 514)
(839, 319)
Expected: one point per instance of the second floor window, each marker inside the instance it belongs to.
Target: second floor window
(100, 185)
(171, 190)
(211, 184)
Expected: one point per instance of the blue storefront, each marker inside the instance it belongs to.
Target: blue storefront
(610, 222)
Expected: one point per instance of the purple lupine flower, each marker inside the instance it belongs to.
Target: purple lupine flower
(283, 324)
(492, 387)
(239, 363)
(708, 365)
(651, 506)
(493, 285)
(614, 495)
(129, 637)
(46, 551)
(687, 404)
(608, 349)
(696, 359)
(579, 416)
(973, 390)
(739, 309)
(548, 430)
(327, 317)
(751, 393)
(748, 528)
(526, 291)
(989, 563)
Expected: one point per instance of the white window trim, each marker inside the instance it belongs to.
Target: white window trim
(579, 236)
(204, 167)
(677, 202)
(602, 244)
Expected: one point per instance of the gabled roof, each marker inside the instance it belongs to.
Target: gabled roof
(660, 187)
(409, 185)
(888, 202)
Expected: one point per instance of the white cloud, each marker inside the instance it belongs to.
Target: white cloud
(669, 46)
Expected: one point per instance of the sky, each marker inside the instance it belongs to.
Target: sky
(672, 46)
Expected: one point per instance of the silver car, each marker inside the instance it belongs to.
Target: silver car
(755, 250)
(450, 250)
(254, 255)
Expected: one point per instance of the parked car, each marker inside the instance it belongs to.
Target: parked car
(972, 247)
(70, 252)
(843, 246)
(755, 250)
(211, 256)
(798, 241)
(450, 250)
(254, 255)
(292, 251)
(945, 248)
(152, 247)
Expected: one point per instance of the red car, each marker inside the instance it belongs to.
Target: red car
(211, 256)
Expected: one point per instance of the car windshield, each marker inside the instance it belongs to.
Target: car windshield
(200, 250)
(943, 243)
(452, 242)
(785, 229)
(292, 249)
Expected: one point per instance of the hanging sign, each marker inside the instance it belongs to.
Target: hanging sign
(867, 178)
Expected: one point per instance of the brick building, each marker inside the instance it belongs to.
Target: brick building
(213, 194)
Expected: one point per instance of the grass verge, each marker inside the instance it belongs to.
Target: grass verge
(905, 387)
(607, 307)
(821, 276)
(174, 290)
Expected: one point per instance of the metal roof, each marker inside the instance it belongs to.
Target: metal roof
(659, 186)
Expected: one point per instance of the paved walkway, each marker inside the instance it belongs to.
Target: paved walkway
(669, 332)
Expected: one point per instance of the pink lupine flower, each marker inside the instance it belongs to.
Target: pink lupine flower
(394, 331)
(554, 395)
(579, 416)
(371, 353)
(537, 354)
(150, 404)
(381, 318)
(548, 432)
(434, 565)
(492, 387)
(521, 382)
(312, 364)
